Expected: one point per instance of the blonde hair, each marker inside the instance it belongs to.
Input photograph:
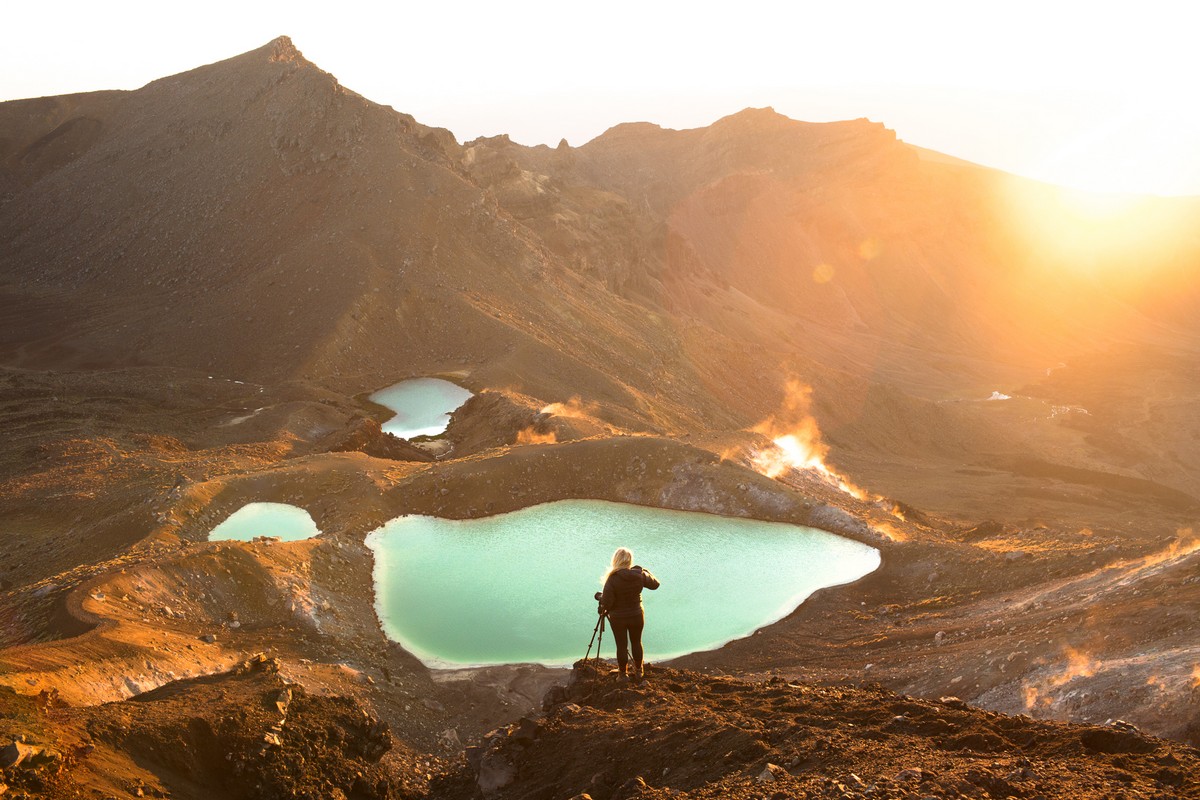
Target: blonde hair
(622, 559)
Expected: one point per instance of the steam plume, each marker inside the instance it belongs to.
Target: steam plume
(531, 436)
(797, 442)
(575, 407)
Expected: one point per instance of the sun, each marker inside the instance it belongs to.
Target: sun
(1087, 231)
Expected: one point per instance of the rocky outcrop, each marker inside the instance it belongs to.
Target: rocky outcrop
(215, 736)
(365, 435)
(493, 419)
(689, 735)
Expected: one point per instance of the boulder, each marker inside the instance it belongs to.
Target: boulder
(525, 731)
(771, 773)
(15, 754)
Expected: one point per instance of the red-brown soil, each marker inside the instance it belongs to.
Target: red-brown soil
(687, 734)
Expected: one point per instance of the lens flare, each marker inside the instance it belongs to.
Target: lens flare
(869, 249)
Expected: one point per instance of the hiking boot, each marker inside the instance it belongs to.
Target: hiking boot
(639, 676)
(622, 678)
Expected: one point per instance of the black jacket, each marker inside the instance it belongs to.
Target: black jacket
(623, 592)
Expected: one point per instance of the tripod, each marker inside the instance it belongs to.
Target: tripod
(599, 629)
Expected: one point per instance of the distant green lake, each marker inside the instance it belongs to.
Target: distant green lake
(422, 406)
(519, 587)
(287, 522)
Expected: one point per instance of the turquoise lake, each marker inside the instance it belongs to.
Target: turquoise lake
(422, 406)
(519, 587)
(289, 523)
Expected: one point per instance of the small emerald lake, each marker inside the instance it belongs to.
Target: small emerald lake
(287, 522)
(518, 587)
(422, 406)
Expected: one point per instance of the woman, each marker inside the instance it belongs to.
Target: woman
(622, 599)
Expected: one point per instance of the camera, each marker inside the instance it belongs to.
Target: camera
(599, 596)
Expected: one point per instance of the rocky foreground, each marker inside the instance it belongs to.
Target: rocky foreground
(685, 734)
(246, 733)
(250, 734)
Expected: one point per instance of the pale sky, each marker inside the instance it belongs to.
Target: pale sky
(1092, 95)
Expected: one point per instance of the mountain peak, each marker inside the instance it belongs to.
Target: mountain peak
(281, 48)
(766, 112)
(755, 118)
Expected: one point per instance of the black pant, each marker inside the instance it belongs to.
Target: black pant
(628, 630)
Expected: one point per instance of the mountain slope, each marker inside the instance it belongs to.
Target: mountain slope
(254, 220)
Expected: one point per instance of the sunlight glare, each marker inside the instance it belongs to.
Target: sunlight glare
(1090, 232)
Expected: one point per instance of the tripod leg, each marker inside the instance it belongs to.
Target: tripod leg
(598, 627)
(600, 643)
